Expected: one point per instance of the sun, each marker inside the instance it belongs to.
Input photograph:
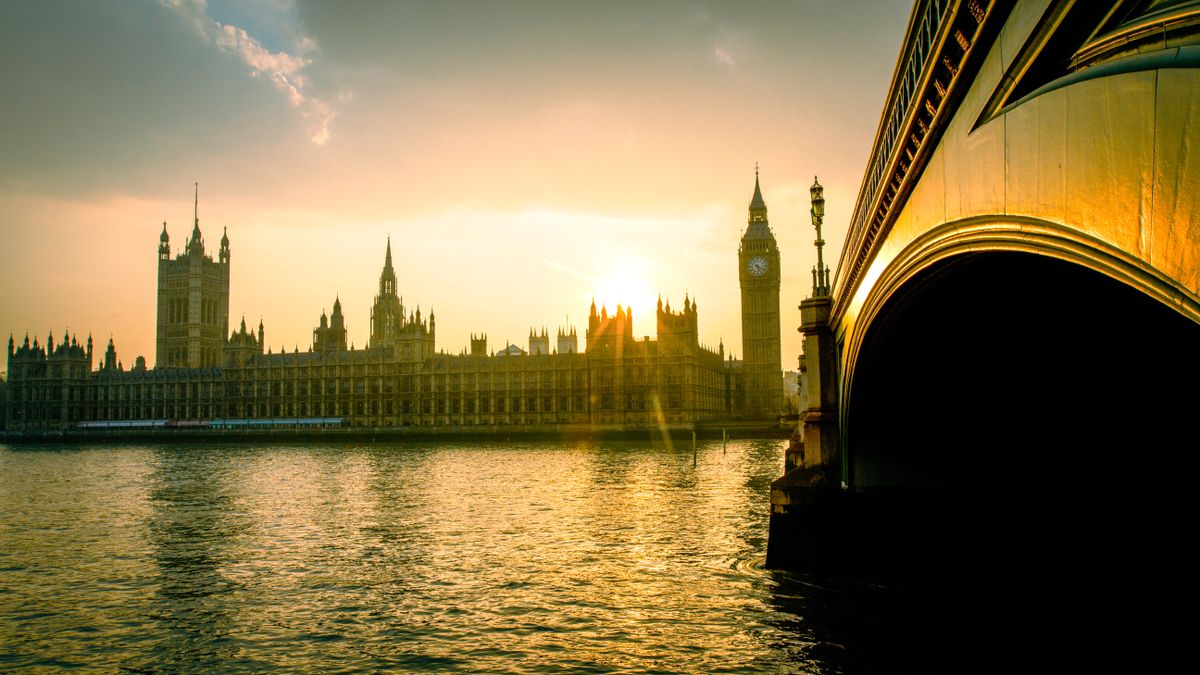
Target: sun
(626, 283)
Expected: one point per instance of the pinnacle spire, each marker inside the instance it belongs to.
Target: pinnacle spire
(757, 227)
(387, 278)
(756, 202)
(196, 244)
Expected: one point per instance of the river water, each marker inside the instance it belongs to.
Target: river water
(516, 557)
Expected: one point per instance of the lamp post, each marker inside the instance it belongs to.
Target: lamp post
(820, 272)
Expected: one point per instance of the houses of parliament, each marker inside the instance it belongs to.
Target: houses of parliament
(207, 376)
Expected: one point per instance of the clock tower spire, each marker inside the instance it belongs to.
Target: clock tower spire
(759, 277)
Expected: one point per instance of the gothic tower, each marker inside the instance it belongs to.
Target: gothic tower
(193, 302)
(387, 314)
(409, 338)
(759, 277)
(330, 335)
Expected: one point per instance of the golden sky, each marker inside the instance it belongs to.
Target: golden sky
(524, 157)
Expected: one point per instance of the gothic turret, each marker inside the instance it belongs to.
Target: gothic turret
(611, 331)
(330, 334)
(479, 344)
(387, 278)
(110, 357)
(677, 330)
(568, 341)
(241, 347)
(539, 343)
(164, 244)
(195, 245)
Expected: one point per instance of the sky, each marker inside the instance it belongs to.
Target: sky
(523, 157)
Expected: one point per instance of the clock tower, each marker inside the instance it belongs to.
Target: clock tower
(759, 276)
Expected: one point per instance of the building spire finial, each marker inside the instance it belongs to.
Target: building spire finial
(195, 245)
(387, 278)
(756, 201)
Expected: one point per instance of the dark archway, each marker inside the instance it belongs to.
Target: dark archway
(1022, 433)
(999, 368)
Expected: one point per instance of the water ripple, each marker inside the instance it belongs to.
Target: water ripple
(519, 558)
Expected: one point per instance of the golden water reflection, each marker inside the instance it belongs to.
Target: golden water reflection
(515, 557)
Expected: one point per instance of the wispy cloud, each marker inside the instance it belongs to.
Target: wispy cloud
(282, 69)
(724, 57)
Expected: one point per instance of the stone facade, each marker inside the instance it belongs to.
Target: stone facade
(193, 302)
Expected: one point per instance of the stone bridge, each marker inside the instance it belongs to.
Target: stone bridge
(1005, 365)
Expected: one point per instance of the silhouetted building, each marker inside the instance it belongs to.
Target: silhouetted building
(206, 376)
(330, 334)
(193, 302)
(759, 275)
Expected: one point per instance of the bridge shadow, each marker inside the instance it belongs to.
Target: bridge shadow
(1021, 434)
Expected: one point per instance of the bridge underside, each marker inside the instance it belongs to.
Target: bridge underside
(1020, 435)
(1002, 369)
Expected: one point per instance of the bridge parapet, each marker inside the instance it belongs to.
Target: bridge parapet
(944, 46)
(1069, 115)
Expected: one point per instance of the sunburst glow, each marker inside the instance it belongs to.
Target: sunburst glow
(627, 284)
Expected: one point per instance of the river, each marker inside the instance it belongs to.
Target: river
(519, 557)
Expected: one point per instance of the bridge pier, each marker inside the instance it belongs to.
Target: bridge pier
(808, 506)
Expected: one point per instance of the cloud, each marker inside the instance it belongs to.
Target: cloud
(722, 56)
(282, 69)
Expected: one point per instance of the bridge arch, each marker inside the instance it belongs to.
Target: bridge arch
(1000, 341)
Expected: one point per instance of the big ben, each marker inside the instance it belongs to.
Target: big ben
(759, 276)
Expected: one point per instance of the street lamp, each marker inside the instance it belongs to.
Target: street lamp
(820, 272)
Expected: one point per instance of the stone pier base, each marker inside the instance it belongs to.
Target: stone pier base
(903, 533)
(808, 520)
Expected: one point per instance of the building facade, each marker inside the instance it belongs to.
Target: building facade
(193, 302)
(207, 376)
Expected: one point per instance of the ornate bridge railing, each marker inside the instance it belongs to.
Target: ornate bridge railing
(943, 49)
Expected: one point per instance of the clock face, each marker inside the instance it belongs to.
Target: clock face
(757, 266)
